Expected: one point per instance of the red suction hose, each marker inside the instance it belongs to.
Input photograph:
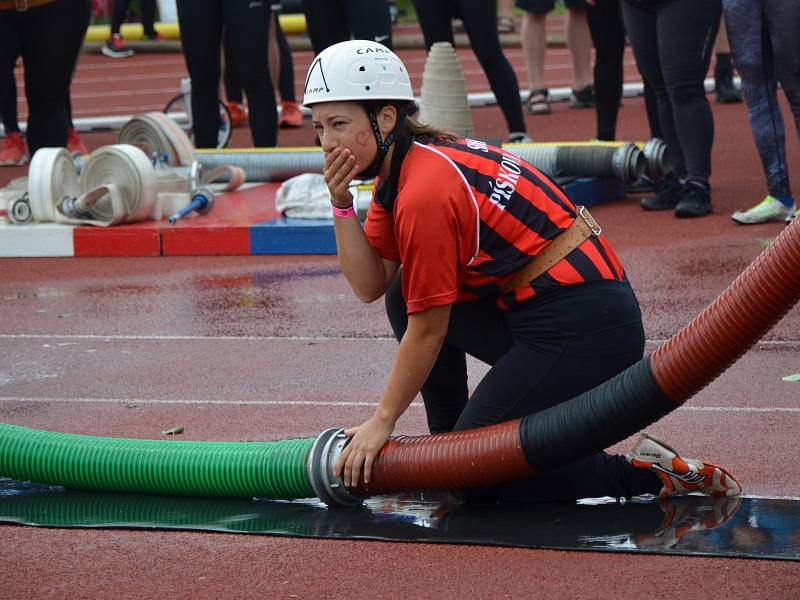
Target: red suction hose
(609, 413)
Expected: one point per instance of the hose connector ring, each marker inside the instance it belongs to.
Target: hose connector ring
(321, 460)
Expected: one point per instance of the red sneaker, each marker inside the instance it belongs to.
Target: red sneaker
(238, 114)
(74, 143)
(14, 151)
(115, 47)
(291, 115)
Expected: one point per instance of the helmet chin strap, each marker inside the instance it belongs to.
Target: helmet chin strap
(383, 145)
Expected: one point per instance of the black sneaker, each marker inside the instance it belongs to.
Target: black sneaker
(583, 98)
(726, 90)
(667, 196)
(695, 201)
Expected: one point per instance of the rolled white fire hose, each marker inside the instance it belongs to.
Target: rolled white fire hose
(117, 185)
(51, 177)
(157, 134)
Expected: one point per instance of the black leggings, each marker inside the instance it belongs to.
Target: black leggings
(332, 21)
(148, 15)
(233, 89)
(480, 23)
(286, 74)
(48, 66)
(8, 100)
(202, 23)
(764, 41)
(608, 37)
(673, 41)
(541, 353)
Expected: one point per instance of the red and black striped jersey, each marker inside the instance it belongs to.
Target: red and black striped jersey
(467, 216)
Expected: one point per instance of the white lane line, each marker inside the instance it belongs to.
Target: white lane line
(174, 77)
(221, 338)
(270, 338)
(196, 401)
(417, 404)
(127, 93)
(742, 409)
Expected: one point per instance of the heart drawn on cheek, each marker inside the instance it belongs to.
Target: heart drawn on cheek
(362, 137)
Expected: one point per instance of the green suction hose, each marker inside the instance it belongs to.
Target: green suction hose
(275, 469)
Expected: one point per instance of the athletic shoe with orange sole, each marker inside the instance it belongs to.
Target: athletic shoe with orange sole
(291, 115)
(681, 476)
(14, 151)
(74, 143)
(238, 114)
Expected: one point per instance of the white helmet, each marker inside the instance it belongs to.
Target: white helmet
(357, 70)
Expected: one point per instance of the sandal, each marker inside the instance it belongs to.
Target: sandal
(505, 24)
(582, 98)
(538, 103)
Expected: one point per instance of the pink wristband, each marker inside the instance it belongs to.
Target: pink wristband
(343, 213)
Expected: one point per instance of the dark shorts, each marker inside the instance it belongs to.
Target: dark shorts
(545, 6)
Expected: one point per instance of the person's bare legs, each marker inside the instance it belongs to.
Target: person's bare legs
(505, 16)
(505, 8)
(579, 42)
(534, 43)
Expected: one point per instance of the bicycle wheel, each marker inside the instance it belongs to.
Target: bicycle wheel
(176, 110)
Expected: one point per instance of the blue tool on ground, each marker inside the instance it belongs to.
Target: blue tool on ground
(202, 200)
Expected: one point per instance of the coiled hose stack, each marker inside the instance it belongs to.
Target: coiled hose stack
(590, 422)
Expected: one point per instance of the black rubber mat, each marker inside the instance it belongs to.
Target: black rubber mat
(691, 525)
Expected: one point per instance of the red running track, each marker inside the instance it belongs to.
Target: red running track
(267, 347)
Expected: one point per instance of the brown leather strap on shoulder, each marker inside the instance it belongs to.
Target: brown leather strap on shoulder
(583, 227)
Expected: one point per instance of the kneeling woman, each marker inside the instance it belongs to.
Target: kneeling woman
(479, 253)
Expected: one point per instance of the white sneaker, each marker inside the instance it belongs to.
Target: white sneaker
(768, 210)
(681, 476)
(519, 137)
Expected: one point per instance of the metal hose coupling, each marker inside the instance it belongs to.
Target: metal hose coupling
(656, 157)
(629, 163)
(19, 210)
(321, 459)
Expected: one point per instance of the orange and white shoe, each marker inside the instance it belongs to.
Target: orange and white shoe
(74, 143)
(681, 476)
(291, 115)
(14, 151)
(238, 114)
